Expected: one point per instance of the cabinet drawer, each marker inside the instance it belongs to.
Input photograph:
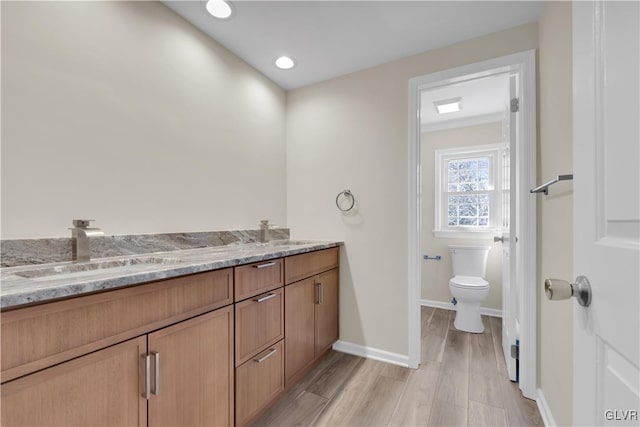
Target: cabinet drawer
(43, 335)
(298, 267)
(258, 382)
(259, 277)
(259, 323)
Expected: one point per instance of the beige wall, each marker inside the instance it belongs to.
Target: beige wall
(436, 274)
(124, 112)
(555, 211)
(351, 132)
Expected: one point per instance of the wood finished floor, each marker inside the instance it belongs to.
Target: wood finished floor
(460, 382)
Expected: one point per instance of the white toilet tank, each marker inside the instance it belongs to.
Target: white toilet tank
(468, 260)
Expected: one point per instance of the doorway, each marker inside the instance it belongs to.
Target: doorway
(512, 161)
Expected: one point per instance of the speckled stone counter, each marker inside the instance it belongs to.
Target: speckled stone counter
(39, 251)
(45, 282)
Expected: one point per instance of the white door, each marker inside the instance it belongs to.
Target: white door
(606, 74)
(510, 295)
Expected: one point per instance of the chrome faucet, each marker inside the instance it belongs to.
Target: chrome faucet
(264, 237)
(80, 234)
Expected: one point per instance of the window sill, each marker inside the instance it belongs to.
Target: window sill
(467, 234)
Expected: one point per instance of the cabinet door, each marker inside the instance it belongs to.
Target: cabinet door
(299, 326)
(102, 388)
(327, 310)
(194, 382)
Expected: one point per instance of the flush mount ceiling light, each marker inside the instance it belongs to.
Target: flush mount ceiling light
(285, 63)
(219, 9)
(448, 105)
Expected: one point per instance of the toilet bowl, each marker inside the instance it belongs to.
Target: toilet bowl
(468, 286)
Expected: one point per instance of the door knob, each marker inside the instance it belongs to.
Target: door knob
(498, 239)
(557, 289)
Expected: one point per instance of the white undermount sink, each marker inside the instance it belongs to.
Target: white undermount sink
(94, 268)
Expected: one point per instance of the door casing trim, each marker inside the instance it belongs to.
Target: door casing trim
(524, 64)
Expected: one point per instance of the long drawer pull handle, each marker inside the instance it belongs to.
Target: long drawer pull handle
(268, 264)
(147, 376)
(272, 351)
(156, 374)
(319, 293)
(264, 298)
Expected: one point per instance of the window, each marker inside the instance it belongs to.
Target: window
(468, 197)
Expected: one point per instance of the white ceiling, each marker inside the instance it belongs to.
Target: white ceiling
(483, 100)
(332, 38)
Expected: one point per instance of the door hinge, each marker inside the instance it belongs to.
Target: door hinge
(515, 105)
(515, 352)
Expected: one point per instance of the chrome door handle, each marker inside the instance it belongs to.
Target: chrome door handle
(498, 239)
(268, 264)
(319, 293)
(264, 298)
(147, 376)
(156, 373)
(271, 352)
(557, 289)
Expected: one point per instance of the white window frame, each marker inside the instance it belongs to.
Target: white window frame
(441, 226)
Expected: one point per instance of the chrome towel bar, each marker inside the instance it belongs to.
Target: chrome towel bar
(544, 188)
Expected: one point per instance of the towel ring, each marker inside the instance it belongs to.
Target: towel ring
(345, 193)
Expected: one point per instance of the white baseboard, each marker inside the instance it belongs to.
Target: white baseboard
(545, 412)
(372, 353)
(449, 306)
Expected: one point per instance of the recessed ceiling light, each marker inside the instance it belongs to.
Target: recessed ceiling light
(285, 63)
(448, 105)
(219, 8)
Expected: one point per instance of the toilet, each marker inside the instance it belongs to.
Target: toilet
(468, 286)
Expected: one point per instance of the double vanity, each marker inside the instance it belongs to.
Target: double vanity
(208, 336)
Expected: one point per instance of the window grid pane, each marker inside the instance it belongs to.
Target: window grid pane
(469, 176)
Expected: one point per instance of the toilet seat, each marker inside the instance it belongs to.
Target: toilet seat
(469, 282)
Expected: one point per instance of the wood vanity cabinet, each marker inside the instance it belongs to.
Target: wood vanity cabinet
(94, 360)
(214, 348)
(311, 309)
(259, 337)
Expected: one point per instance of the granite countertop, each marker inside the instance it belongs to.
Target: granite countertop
(45, 282)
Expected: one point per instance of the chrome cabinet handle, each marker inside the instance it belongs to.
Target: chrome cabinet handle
(498, 239)
(557, 289)
(272, 351)
(268, 264)
(156, 373)
(147, 376)
(319, 293)
(267, 297)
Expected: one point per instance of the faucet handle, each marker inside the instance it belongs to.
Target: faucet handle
(82, 223)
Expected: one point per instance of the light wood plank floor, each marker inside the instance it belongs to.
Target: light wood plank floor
(461, 382)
